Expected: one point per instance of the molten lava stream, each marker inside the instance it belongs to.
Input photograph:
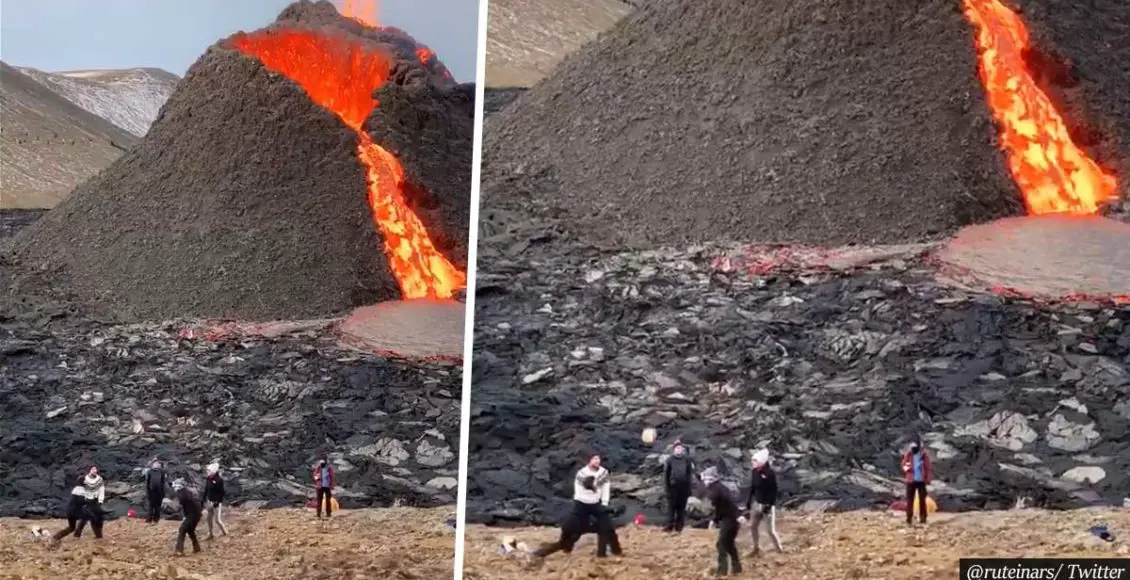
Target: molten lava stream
(1053, 174)
(340, 75)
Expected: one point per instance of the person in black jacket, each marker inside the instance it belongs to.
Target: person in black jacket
(678, 477)
(726, 518)
(762, 500)
(155, 484)
(190, 504)
(214, 499)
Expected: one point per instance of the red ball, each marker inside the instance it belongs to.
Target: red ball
(640, 519)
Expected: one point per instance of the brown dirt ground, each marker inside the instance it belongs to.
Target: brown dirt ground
(825, 546)
(265, 544)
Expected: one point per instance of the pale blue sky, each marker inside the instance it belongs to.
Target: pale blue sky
(57, 35)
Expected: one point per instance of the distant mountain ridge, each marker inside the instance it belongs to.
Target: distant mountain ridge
(527, 38)
(129, 98)
(59, 129)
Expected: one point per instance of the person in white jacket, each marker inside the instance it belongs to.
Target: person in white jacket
(592, 491)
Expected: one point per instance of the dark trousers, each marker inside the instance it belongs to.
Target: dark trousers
(912, 489)
(727, 547)
(324, 494)
(155, 500)
(580, 522)
(188, 528)
(677, 497)
(76, 520)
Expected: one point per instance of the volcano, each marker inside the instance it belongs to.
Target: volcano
(823, 122)
(300, 170)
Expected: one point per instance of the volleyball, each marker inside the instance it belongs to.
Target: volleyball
(649, 435)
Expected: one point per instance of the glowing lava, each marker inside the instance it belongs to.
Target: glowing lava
(1054, 175)
(341, 75)
(363, 11)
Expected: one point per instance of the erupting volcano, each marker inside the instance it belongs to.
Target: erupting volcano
(821, 122)
(280, 181)
(341, 75)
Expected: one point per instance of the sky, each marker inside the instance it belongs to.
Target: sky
(59, 35)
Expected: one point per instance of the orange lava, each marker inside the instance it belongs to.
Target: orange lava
(341, 75)
(1054, 175)
(425, 55)
(363, 11)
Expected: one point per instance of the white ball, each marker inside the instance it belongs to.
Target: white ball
(649, 435)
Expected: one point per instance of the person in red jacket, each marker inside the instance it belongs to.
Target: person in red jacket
(323, 486)
(917, 473)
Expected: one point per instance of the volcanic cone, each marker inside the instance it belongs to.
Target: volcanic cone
(265, 188)
(826, 122)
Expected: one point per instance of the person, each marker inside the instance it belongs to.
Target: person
(726, 520)
(762, 500)
(155, 484)
(917, 472)
(190, 505)
(678, 477)
(95, 489)
(323, 486)
(592, 490)
(77, 515)
(214, 499)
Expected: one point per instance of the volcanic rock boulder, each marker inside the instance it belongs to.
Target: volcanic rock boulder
(246, 199)
(810, 121)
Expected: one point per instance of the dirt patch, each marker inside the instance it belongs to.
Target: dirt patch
(245, 200)
(1049, 257)
(263, 545)
(819, 547)
(791, 122)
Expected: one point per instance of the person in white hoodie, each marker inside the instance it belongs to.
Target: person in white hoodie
(592, 490)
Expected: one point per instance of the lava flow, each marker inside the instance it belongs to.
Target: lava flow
(363, 11)
(1053, 174)
(341, 75)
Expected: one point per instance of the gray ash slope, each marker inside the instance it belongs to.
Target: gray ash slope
(833, 371)
(801, 121)
(77, 393)
(245, 200)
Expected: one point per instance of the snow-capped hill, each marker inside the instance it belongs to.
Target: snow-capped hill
(128, 98)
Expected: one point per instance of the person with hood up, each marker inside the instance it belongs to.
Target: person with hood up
(917, 472)
(762, 500)
(155, 485)
(77, 515)
(726, 515)
(678, 479)
(190, 505)
(324, 485)
(95, 489)
(214, 499)
(592, 489)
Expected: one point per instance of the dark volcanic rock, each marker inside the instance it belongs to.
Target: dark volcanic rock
(78, 393)
(812, 121)
(247, 200)
(833, 371)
